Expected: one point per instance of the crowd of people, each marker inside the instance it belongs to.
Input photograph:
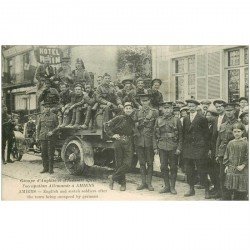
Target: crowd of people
(208, 141)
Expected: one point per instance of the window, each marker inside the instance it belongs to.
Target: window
(237, 73)
(184, 75)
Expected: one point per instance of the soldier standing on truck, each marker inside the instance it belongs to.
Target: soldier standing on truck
(121, 128)
(145, 122)
(168, 143)
(46, 126)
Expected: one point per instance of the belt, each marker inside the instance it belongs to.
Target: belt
(125, 137)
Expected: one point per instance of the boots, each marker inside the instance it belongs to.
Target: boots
(66, 121)
(111, 183)
(87, 118)
(143, 185)
(93, 125)
(73, 119)
(51, 171)
(149, 177)
(191, 192)
(172, 183)
(123, 187)
(78, 119)
(166, 189)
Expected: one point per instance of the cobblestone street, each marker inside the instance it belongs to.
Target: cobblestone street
(31, 165)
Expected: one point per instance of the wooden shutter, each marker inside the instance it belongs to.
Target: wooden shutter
(214, 64)
(201, 77)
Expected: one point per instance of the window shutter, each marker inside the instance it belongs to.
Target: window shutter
(214, 64)
(201, 77)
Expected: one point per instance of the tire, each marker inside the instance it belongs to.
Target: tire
(72, 155)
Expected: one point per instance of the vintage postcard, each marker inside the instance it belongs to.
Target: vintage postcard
(125, 122)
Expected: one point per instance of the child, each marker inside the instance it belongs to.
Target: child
(236, 163)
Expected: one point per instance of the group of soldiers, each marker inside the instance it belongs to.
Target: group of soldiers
(190, 134)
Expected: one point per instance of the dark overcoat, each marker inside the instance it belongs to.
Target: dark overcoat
(195, 137)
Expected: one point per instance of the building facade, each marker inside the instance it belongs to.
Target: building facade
(202, 72)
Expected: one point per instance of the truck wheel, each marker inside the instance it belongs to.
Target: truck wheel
(72, 154)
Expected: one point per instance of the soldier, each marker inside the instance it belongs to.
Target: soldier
(80, 74)
(168, 143)
(140, 89)
(99, 80)
(78, 106)
(157, 97)
(45, 70)
(121, 128)
(225, 135)
(49, 95)
(64, 73)
(195, 147)
(145, 121)
(46, 127)
(205, 105)
(108, 99)
(8, 125)
(91, 109)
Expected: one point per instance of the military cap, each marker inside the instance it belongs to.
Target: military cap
(144, 95)
(176, 108)
(78, 85)
(206, 102)
(243, 98)
(127, 81)
(65, 59)
(193, 101)
(230, 106)
(156, 80)
(219, 101)
(243, 114)
(184, 108)
(128, 104)
(180, 102)
(166, 104)
(139, 79)
(46, 104)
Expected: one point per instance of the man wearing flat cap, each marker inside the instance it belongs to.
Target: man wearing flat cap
(168, 143)
(225, 135)
(145, 121)
(45, 70)
(46, 126)
(195, 147)
(243, 102)
(204, 106)
(157, 96)
(121, 128)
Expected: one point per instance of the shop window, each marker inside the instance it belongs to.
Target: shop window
(246, 82)
(234, 57)
(234, 84)
(246, 56)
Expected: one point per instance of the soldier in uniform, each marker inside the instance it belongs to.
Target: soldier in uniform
(108, 99)
(49, 95)
(46, 126)
(8, 125)
(143, 140)
(45, 70)
(80, 74)
(225, 135)
(243, 102)
(168, 143)
(121, 128)
(195, 147)
(157, 96)
(64, 73)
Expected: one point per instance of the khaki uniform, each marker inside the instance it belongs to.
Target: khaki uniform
(167, 139)
(143, 141)
(47, 122)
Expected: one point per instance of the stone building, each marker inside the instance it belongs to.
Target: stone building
(204, 72)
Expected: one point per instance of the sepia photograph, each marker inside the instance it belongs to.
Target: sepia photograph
(127, 122)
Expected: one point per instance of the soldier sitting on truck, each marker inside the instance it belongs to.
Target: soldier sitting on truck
(91, 109)
(73, 110)
(108, 99)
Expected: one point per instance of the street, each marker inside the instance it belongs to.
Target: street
(15, 177)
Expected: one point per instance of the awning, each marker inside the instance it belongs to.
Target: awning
(11, 86)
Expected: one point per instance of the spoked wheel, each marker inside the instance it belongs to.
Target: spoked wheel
(73, 157)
